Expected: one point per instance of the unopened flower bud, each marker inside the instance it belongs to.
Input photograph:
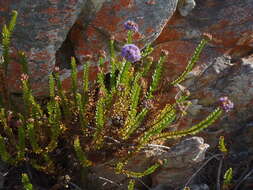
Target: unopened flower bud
(57, 69)
(24, 77)
(112, 38)
(88, 57)
(1, 59)
(102, 54)
(151, 2)
(226, 104)
(10, 113)
(131, 26)
(165, 53)
(19, 123)
(150, 59)
(31, 120)
(207, 36)
(57, 98)
(187, 93)
(100, 70)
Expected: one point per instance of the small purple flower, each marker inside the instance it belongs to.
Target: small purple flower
(131, 25)
(226, 104)
(131, 53)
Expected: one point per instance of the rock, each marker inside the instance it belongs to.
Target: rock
(223, 77)
(106, 179)
(192, 187)
(109, 21)
(162, 187)
(180, 162)
(185, 6)
(59, 28)
(3, 174)
(240, 154)
(42, 27)
(186, 153)
(52, 31)
(198, 187)
(56, 24)
(224, 67)
(230, 23)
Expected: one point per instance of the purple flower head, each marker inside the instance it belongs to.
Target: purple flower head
(131, 25)
(131, 53)
(226, 104)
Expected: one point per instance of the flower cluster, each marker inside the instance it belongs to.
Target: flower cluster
(131, 53)
(24, 77)
(226, 104)
(131, 26)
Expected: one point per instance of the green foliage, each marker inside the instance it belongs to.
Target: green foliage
(32, 136)
(51, 87)
(21, 139)
(132, 122)
(116, 116)
(6, 39)
(63, 98)
(81, 111)
(211, 118)
(85, 78)
(163, 120)
(119, 169)
(156, 77)
(100, 121)
(32, 108)
(129, 36)
(222, 146)
(147, 51)
(131, 185)
(54, 118)
(124, 75)
(227, 179)
(101, 83)
(23, 62)
(74, 75)
(80, 154)
(5, 156)
(191, 63)
(7, 129)
(26, 182)
(5, 59)
(13, 21)
(147, 66)
(6, 46)
(112, 65)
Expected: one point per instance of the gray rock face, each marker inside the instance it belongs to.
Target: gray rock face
(109, 21)
(186, 153)
(180, 161)
(185, 6)
(42, 26)
(226, 77)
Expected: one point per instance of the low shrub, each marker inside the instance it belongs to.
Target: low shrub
(106, 121)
